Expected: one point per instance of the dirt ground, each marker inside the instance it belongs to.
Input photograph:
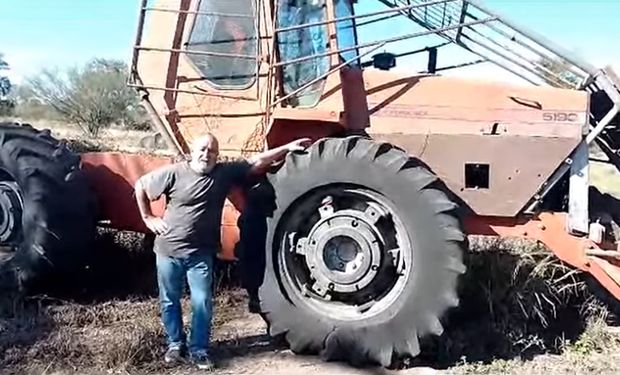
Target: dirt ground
(521, 313)
(242, 347)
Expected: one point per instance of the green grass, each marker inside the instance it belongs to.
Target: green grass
(595, 351)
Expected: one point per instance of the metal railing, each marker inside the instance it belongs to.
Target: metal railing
(144, 10)
(529, 56)
(466, 23)
(502, 43)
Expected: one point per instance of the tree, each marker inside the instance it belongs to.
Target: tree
(93, 96)
(6, 104)
(3, 64)
(5, 83)
(5, 86)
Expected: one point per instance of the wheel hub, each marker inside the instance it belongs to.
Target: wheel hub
(346, 251)
(11, 208)
(343, 254)
(343, 250)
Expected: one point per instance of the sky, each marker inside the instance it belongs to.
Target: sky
(60, 33)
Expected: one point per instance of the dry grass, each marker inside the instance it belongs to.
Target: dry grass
(517, 302)
(603, 175)
(110, 321)
(525, 312)
(594, 351)
(522, 311)
(110, 139)
(118, 335)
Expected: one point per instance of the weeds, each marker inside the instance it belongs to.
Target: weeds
(119, 335)
(597, 338)
(594, 351)
(517, 301)
(110, 321)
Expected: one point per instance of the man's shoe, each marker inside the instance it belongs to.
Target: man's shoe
(173, 356)
(203, 362)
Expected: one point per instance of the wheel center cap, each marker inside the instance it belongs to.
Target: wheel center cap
(342, 252)
(11, 208)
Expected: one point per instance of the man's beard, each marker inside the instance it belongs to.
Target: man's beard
(202, 167)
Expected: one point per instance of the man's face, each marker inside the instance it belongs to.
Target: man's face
(204, 153)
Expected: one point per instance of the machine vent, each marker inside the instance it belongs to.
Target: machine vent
(477, 176)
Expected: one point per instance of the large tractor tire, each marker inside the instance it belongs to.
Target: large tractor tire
(363, 253)
(47, 210)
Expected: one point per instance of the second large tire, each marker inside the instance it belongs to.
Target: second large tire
(54, 219)
(429, 241)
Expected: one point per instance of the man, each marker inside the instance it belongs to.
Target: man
(188, 235)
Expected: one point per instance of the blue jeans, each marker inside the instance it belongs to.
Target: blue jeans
(171, 274)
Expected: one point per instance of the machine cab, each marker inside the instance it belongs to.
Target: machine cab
(229, 67)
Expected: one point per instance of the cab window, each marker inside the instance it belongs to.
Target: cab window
(345, 31)
(230, 27)
(299, 43)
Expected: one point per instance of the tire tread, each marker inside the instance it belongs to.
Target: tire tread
(365, 344)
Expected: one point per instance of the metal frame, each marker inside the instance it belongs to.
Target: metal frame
(472, 34)
(501, 47)
(578, 220)
(463, 10)
(135, 82)
(471, 26)
(331, 20)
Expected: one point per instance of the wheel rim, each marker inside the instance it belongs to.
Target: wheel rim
(344, 251)
(11, 209)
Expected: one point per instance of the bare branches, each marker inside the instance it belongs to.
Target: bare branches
(93, 97)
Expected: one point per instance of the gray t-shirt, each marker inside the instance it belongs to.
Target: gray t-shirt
(194, 204)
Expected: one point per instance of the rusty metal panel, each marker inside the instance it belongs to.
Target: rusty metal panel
(550, 229)
(191, 106)
(518, 165)
(113, 175)
(579, 187)
(522, 134)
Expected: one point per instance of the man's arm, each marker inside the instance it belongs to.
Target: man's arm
(260, 162)
(154, 223)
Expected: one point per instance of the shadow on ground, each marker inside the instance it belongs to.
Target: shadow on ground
(227, 351)
(121, 266)
(23, 324)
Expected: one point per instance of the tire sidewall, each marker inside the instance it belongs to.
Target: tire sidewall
(416, 213)
(59, 208)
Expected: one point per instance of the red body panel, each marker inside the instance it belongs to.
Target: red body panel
(113, 176)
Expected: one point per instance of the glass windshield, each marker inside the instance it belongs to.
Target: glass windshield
(225, 26)
(299, 43)
(346, 31)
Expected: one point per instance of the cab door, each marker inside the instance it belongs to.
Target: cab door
(306, 54)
